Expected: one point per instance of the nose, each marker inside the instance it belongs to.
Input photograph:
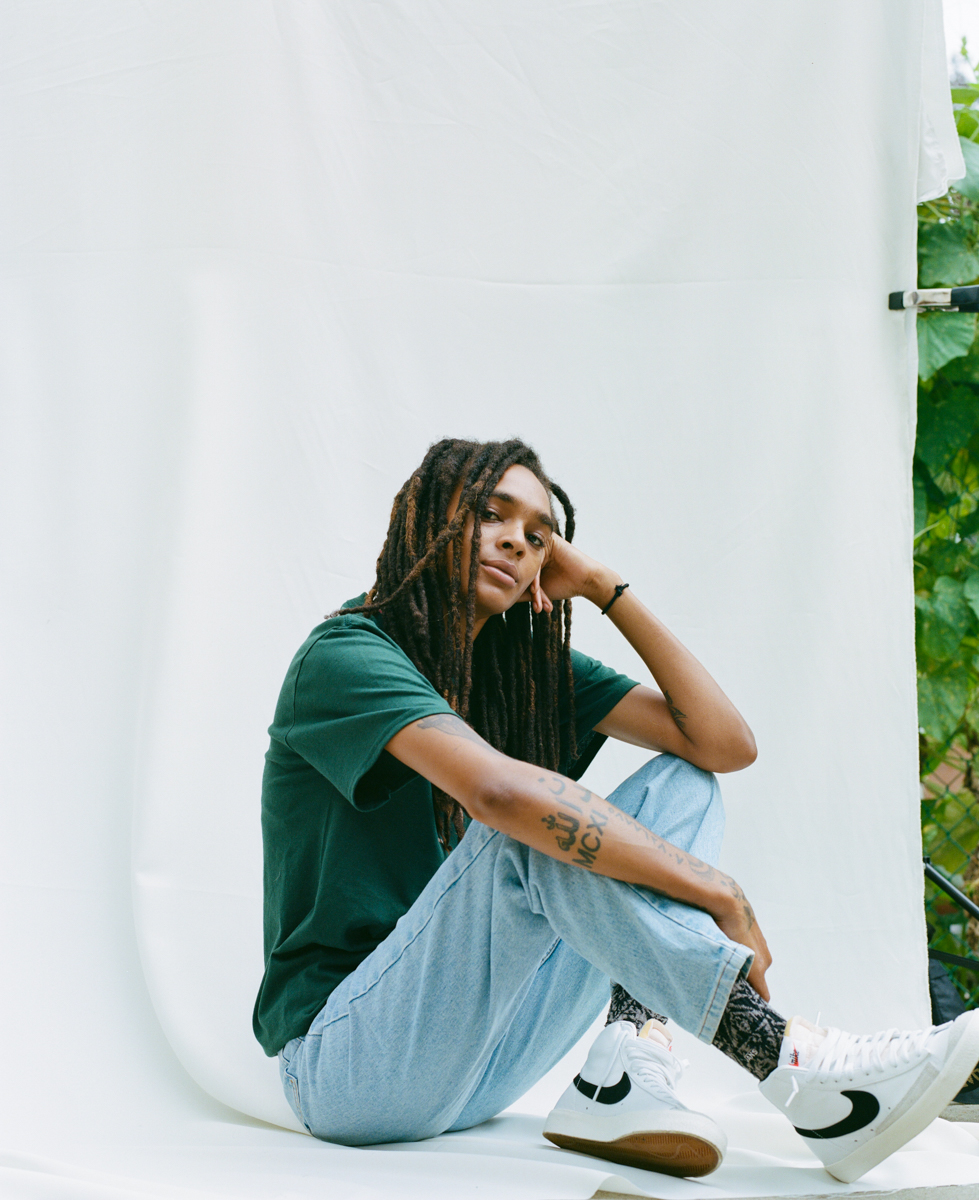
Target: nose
(512, 540)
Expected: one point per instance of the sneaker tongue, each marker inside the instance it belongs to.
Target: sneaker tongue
(800, 1042)
(655, 1031)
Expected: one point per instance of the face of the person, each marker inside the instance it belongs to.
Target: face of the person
(515, 535)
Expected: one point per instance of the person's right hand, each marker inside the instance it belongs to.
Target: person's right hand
(737, 921)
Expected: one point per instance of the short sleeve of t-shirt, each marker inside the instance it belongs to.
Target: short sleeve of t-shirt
(354, 690)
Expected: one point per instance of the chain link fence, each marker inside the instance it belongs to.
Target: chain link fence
(950, 836)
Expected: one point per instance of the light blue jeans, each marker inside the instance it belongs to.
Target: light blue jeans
(500, 966)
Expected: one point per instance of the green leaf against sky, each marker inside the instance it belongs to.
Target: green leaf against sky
(970, 185)
(946, 254)
(941, 701)
(942, 337)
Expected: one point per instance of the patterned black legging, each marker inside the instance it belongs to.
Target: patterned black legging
(749, 1030)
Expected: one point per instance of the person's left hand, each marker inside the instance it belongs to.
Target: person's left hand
(568, 572)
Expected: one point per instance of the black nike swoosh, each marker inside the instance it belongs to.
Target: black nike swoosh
(865, 1108)
(606, 1095)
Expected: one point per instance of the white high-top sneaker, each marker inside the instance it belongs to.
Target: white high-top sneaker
(858, 1098)
(623, 1107)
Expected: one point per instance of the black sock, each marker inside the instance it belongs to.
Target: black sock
(625, 1008)
(749, 1031)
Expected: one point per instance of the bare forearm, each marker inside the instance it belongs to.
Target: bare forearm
(568, 822)
(699, 708)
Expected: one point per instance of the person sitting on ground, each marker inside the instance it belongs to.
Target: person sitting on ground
(445, 906)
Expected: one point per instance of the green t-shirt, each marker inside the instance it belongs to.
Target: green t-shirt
(348, 830)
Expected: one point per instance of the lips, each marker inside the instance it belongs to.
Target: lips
(500, 570)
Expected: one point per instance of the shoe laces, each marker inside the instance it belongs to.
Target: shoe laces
(650, 1069)
(849, 1054)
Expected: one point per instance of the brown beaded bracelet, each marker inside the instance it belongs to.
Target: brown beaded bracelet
(619, 589)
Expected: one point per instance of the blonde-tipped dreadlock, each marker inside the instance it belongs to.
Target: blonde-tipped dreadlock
(505, 684)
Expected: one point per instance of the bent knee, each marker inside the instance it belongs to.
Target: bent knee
(679, 801)
(669, 772)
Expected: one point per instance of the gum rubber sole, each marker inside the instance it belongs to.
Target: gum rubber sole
(669, 1153)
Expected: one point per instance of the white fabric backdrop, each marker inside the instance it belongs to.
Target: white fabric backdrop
(256, 256)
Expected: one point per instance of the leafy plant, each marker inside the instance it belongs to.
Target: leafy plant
(946, 562)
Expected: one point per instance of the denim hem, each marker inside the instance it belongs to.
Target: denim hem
(738, 958)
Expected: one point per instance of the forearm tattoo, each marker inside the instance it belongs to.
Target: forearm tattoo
(580, 820)
(577, 823)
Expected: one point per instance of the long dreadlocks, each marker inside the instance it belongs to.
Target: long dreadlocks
(506, 683)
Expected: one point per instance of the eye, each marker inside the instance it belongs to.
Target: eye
(488, 514)
(535, 539)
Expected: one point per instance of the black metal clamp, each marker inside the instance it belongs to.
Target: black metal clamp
(957, 299)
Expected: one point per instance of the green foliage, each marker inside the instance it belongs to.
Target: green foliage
(947, 254)
(946, 465)
(944, 336)
(969, 187)
(946, 564)
(967, 111)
